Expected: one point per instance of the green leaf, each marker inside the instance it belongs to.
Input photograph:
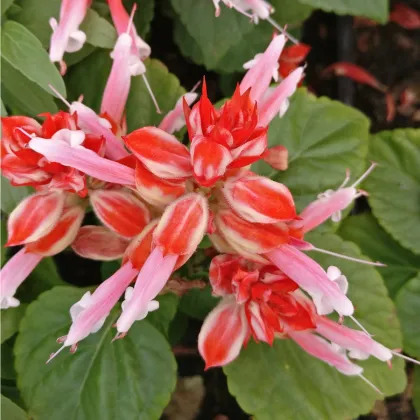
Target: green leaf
(10, 321)
(44, 277)
(99, 32)
(284, 379)
(3, 241)
(394, 186)
(324, 138)
(22, 50)
(144, 15)
(35, 14)
(22, 95)
(108, 268)
(128, 379)
(197, 303)
(408, 307)
(375, 9)
(3, 111)
(12, 196)
(288, 12)
(10, 411)
(5, 4)
(416, 389)
(167, 89)
(378, 245)
(162, 318)
(8, 372)
(227, 42)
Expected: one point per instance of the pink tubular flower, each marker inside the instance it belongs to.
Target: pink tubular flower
(260, 9)
(175, 238)
(89, 314)
(13, 274)
(262, 302)
(67, 37)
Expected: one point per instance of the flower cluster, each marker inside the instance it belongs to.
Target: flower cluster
(157, 198)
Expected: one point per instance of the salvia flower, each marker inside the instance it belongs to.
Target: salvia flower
(67, 37)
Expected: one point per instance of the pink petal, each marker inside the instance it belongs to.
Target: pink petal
(322, 209)
(13, 273)
(223, 333)
(91, 123)
(34, 217)
(72, 13)
(321, 349)
(271, 107)
(351, 339)
(103, 300)
(119, 80)
(150, 281)
(83, 160)
(174, 120)
(99, 243)
(258, 78)
(310, 276)
(120, 211)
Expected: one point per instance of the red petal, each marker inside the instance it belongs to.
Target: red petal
(295, 53)
(19, 172)
(356, 73)
(99, 243)
(34, 217)
(223, 333)
(56, 122)
(251, 237)
(277, 157)
(210, 161)
(208, 113)
(62, 235)
(222, 269)
(12, 139)
(183, 225)
(120, 211)
(250, 151)
(156, 191)
(405, 16)
(140, 247)
(160, 152)
(259, 200)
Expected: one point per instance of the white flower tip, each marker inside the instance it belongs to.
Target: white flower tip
(53, 23)
(9, 302)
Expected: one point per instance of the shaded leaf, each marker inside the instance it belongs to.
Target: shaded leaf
(99, 32)
(284, 379)
(162, 318)
(375, 9)
(10, 320)
(324, 138)
(416, 390)
(378, 245)
(22, 50)
(12, 196)
(408, 307)
(128, 379)
(197, 303)
(5, 4)
(10, 411)
(394, 186)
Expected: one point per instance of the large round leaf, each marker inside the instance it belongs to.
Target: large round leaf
(284, 382)
(128, 379)
(408, 307)
(394, 186)
(401, 264)
(324, 138)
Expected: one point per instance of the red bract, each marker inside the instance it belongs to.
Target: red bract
(405, 16)
(292, 57)
(356, 73)
(229, 138)
(23, 166)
